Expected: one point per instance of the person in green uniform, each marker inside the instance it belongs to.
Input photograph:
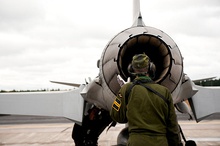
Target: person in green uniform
(147, 107)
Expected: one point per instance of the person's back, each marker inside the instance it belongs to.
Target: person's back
(145, 110)
(148, 114)
(149, 110)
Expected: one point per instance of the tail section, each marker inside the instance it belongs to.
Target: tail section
(137, 18)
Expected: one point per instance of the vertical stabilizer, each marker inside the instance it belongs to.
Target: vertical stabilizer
(137, 18)
(136, 9)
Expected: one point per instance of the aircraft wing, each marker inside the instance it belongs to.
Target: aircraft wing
(68, 84)
(205, 102)
(204, 79)
(68, 104)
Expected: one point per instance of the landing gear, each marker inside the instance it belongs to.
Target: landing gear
(92, 126)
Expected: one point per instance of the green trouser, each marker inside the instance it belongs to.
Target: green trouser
(146, 140)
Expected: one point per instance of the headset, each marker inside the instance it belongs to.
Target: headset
(151, 70)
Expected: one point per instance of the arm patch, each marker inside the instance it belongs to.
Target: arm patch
(117, 104)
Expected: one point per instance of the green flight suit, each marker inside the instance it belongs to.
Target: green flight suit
(151, 120)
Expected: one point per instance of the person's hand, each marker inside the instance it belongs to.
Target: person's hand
(121, 82)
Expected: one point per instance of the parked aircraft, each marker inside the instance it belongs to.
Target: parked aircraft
(89, 105)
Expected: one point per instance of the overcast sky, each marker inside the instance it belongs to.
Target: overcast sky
(61, 40)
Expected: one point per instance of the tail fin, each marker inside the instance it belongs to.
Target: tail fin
(137, 18)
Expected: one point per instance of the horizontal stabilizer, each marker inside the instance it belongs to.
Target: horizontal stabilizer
(205, 102)
(67, 104)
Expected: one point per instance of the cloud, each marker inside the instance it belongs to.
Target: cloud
(19, 15)
(42, 40)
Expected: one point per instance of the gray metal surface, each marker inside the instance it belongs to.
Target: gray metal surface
(68, 104)
(205, 102)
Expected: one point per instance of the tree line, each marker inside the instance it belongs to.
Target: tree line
(38, 90)
(213, 82)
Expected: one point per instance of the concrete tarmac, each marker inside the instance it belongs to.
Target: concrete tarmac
(46, 132)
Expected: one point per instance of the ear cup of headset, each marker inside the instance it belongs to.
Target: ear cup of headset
(131, 70)
(152, 70)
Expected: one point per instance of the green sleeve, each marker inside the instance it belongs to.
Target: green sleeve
(118, 110)
(173, 132)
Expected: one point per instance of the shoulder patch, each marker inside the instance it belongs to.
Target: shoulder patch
(117, 104)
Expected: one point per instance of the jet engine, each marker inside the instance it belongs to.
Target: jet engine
(118, 53)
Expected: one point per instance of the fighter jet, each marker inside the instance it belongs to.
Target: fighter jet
(88, 106)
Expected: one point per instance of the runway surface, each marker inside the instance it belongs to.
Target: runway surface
(46, 131)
